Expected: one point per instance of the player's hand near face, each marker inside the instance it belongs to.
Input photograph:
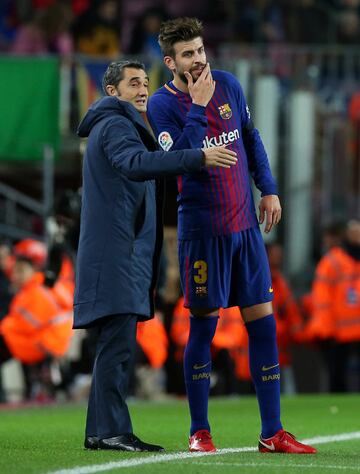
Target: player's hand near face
(219, 156)
(203, 89)
(270, 208)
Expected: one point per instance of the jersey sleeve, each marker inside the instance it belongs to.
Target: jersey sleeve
(169, 131)
(128, 155)
(257, 158)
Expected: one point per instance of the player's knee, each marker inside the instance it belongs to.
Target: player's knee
(204, 312)
(202, 329)
(257, 311)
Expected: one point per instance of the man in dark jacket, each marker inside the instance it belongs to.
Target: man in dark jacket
(120, 241)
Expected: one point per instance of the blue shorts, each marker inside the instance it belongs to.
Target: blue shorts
(224, 271)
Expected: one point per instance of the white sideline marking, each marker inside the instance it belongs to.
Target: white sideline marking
(284, 466)
(186, 455)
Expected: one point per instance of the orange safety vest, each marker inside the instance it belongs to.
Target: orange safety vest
(289, 322)
(336, 298)
(36, 325)
(63, 289)
(152, 338)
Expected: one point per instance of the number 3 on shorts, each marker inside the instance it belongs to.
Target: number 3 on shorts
(201, 267)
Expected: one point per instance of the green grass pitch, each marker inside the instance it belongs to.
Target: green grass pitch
(47, 439)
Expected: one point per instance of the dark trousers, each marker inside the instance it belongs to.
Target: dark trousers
(108, 414)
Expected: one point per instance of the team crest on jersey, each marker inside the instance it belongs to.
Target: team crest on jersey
(201, 291)
(225, 111)
(165, 141)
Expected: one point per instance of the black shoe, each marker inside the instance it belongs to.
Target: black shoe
(128, 442)
(91, 442)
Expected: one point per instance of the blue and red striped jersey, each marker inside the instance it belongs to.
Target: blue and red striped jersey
(214, 201)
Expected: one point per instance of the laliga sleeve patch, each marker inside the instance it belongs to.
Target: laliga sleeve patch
(165, 141)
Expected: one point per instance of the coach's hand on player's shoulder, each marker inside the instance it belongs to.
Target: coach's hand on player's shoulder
(219, 156)
(270, 208)
(203, 89)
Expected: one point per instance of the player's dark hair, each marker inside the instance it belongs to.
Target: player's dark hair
(115, 72)
(180, 29)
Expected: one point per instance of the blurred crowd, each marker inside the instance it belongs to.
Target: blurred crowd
(110, 28)
(37, 280)
(36, 297)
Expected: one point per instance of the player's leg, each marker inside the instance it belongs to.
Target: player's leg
(264, 364)
(257, 312)
(197, 372)
(199, 269)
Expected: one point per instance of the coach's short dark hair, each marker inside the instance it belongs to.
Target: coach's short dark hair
(180, 29)
(115, 72)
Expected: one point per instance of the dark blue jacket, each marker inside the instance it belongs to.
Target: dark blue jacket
(121, 214)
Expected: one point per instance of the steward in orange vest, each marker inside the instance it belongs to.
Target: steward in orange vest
(38, 325)
(336, 297)
(64, 287)
(153, 340)
(335, 317)
(289, 322)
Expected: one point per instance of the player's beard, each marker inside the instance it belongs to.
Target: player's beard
(183, 78)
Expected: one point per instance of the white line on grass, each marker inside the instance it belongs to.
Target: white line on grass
(180, 456)
(284, 466)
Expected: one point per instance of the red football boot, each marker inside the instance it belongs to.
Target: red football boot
(201, 441)
(284, 442)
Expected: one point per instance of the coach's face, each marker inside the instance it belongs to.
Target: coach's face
(133, 88)
(189, 57)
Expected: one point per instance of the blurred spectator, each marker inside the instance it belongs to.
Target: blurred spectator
(42, 4)
(336, 307)
(78, 6)
(289, 323)
(97, 31)
(333, 235)
(151, 356)
(348, 27)
(259, 21)
(5, 294)
(64, 230)
(47, 31)
(272, 28)
(5, 288)
(320, 21)
(8, 23)
(144, 40)
(38, 324)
